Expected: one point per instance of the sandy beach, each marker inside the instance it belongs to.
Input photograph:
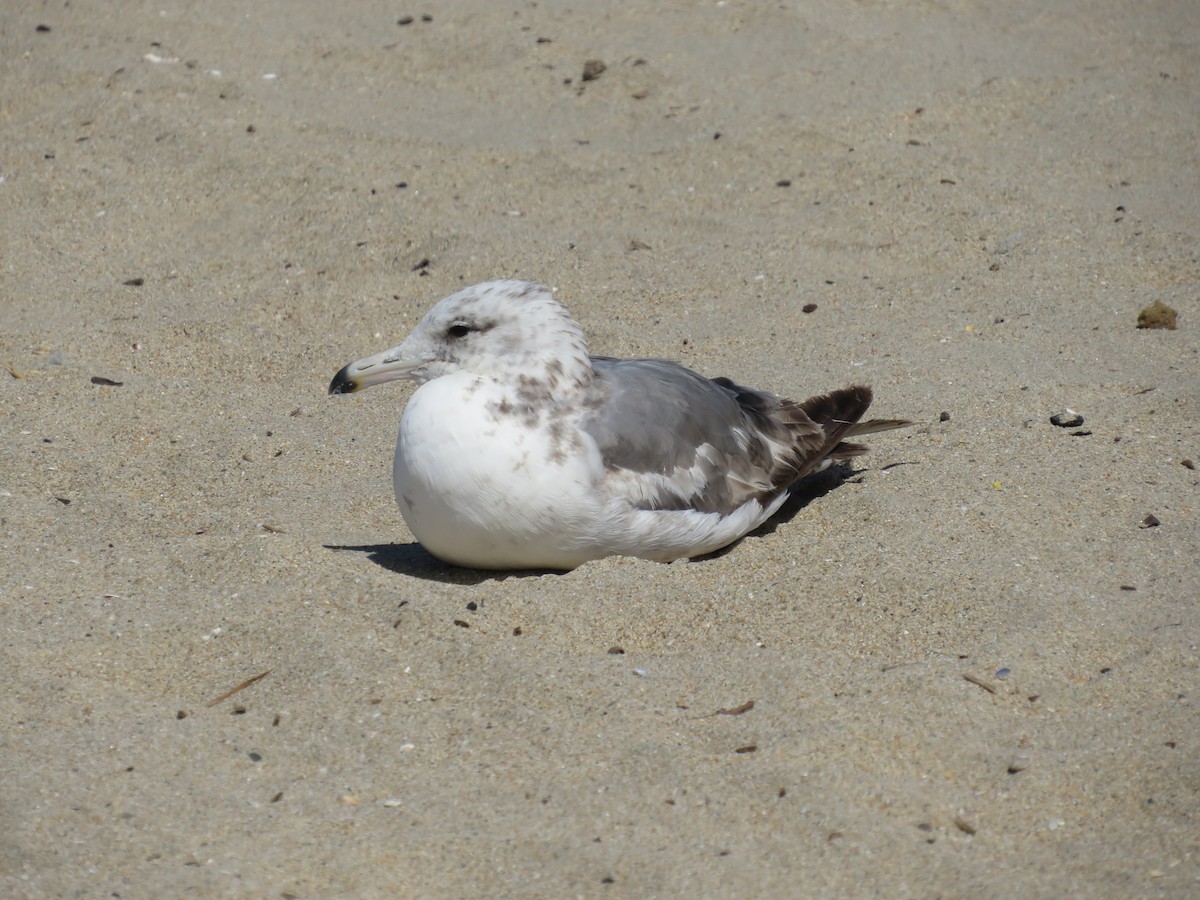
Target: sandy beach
(969, 668)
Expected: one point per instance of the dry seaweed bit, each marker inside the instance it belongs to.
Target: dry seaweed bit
(616, 651)
(461, 624)
(964, 826)
(106, 382)
(1187, 464)
(241, 687)
(593, 69)
(748, 748)
(976, 680)
(134, 282)
(736, 710)
(1158, 315)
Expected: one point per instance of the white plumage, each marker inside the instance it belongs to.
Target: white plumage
(519, 450)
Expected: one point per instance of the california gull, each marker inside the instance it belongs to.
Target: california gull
(521, 451)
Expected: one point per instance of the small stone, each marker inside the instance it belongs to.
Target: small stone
(1188, 464)
(808, 308)
(1151, 521)
(593, 69)
(404, 20)
(1157, 315)
(1068, 418)
(944, 416)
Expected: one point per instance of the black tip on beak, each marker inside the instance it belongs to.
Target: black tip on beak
(343, 383)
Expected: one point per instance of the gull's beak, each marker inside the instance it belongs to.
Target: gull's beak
(386, 366)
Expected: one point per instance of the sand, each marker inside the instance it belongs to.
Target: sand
(973, 671)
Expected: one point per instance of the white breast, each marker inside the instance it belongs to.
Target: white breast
(488, 488)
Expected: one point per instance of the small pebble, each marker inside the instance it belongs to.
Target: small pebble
(808, 308)
(1068, 418)
(1187, 463)
(944, 416)
(593, 69)
(1019, 763)
(1151, 521)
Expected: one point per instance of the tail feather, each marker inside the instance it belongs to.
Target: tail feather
(838, 413)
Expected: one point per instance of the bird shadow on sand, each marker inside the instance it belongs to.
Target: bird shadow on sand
(417, 562)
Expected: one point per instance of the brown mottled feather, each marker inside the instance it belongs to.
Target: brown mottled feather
(659, 415)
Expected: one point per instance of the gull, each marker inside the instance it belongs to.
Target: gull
(519, 450)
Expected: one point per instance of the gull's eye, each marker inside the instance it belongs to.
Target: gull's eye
(458, 330)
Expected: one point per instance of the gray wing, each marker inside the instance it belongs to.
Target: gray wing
(672, 439)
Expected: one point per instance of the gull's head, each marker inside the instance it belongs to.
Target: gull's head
(502, 329)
